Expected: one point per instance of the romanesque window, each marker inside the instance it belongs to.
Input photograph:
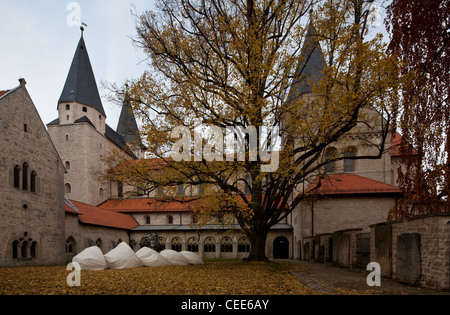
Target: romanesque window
(67, 165)
(147, 219)
(180, 190)
(33, 250)
(24, 248)
(176, 244)
(243, 245)
(71, 245)
(192, 245)
(25, 176)
(226, 245)
(201, 190)
(67, 107)
(67, 188)
(331, 166)
(162, 243)
(33, 183)
(15, 246)
(209, 246)
(349, 164)
(99, 243)
(17, 176)
(170, 219)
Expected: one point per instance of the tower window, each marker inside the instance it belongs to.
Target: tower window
(67, 107)
(17, 176)
(85, 109)
(33, 182)
(25, 128)
(67, 188)
(25, 176)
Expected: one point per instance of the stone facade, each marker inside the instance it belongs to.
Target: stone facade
(80, 236)
(82, 148)
(433, 248)
(31, 186)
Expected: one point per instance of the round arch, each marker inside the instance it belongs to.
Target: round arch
(281, 248)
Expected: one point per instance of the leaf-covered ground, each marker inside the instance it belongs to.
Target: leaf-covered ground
(212, 278)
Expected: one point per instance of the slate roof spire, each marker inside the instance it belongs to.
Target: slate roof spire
(310, 67)
(80, 84)
(127, 126)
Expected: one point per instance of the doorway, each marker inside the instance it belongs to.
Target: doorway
(281, 248)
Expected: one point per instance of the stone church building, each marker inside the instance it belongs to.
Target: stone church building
(53, 203)
(32, 225)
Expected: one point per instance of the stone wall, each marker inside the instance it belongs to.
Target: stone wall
(32, 203)
(327, 215)
(80, 236)
(418, 251)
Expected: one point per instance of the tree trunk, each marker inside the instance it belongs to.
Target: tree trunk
(258, 239)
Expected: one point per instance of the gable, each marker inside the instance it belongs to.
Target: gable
(22, 128)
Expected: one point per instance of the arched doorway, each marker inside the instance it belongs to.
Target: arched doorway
(281, 248)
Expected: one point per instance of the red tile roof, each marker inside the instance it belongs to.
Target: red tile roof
(396, 143)
(3, 92)
(350, 184)
(149, 205)
(155, 205)
(96, 216)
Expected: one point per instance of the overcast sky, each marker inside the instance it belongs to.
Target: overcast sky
(38, 44)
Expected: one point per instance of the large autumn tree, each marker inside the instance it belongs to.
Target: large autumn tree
(305, 69)
(420, 36)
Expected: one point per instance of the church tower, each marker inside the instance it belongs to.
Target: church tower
(128, 129)
(81, 135)
(80, 98)
(309, 72)
(310, 68)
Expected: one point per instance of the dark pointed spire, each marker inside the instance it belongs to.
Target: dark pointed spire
(80, 83)
(311, 65)
(127, 126)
